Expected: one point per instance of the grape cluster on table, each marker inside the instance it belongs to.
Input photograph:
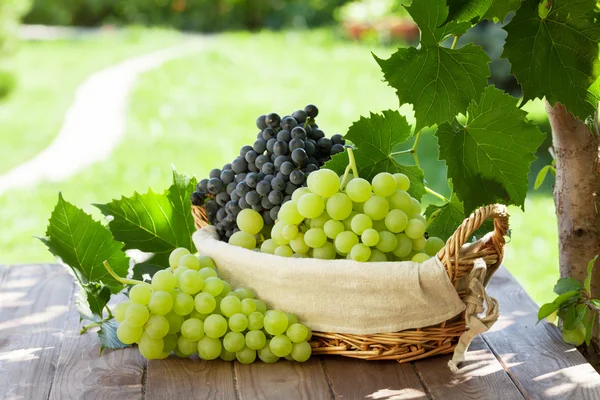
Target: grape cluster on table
(266, 174)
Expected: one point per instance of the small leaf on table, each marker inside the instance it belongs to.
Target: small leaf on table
(108, 336)
(549, 308)
(564, 285)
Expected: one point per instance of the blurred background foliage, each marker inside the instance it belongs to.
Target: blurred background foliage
(11, 12)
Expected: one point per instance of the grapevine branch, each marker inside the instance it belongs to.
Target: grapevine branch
(124, 281)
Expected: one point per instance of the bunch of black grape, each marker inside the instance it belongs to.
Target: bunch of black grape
(265, 175)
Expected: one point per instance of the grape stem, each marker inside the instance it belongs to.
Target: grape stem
(350, 167)
(455, 42)
(124, 281)
(436, 194)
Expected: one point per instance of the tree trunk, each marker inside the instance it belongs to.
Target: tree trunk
(576, 196)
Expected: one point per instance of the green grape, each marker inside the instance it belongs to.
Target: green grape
(379, 226)
(226, 355)
(298, 245)
(136, 315)
(400, 200)
(332, 228)
(255, 321)
(205, 303)
(183, 304)
(300, 255)
(268, 246)
(169, 343)
(281, 345)
(140, 293)
(415, 229)
(359, 190)
(301, 191)
(161, 302)
(150, 348)
(243, 239)
(339, 206)
(266, 355)
(157, 327)
(256, 339)
(301, 351)
(289, 214)
(230, 305)
(209, 348)
(360, 223)
(360, 252)
(432, 246)
(387, 242)
(292, 318)
(246, 355)
(323, 182)
(377, 208)
(418, 243)
(277, 234)
(377, 256)
(206, 273)
(420, 257)
(226, 288)
(129, 334)
(315, 237)
(320, 221)
(404, 246)
(248, 306)
(234, 342)
(384, 184)
(175, 321)
(249, 221)
(238, 322)
(289, 232)
(180, 270)
(415, 207)
(244, 293)
(345, 241)
(284, 251)
(215, 326)
(297, 333)
(187, 347)
(275, 322)
(206, 262)
(197, 315)
(191, 282)
(163, 280)
(402, 181)
(213, 285)
(358, 207)
(261, 307)
(370, 237)
(420, 218)
(309, 334)
(396, 221)
(311, 205)
(348, 221)
(120, 309)
(192, 329)
(176, 255)
(190, 261)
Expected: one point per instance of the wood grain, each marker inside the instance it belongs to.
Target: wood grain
(536, 358)
(481, 376)
(359, 379)
(282, 380)
(34, 305)
(176, 378)
(83, 373)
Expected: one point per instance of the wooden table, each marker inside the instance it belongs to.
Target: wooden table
(42, 355)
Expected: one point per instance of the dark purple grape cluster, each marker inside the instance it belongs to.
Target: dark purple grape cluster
(265, 175)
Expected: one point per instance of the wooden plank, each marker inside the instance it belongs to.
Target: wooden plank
(34, 305)
(82, 373)
(359, 379)
(481, 376)
(282, 380)
(177, 378)
(3, 272)
(535, 357)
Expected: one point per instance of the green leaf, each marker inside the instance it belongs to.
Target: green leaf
(500, 8)
(448, 218)
(589, 327)
(108, 336)
(595, 302)
(466, 10)
(155, 223)
(144, 268)
(570, 319)
(541, 176)
(91, 300)
(375, 137)
(588, 279)
(564, 285)
(557, 56)
(430, 16)
(549, 308)
(489, 157)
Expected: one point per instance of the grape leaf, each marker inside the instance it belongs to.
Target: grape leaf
(449, 216)
(557, 56)
(91, 300)
(489, 157)
(466, 10)
(375, 137)
(108, 336)
(438, 82)
(154, 223)
(500, 8)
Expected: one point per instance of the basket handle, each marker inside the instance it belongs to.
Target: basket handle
(452, 248)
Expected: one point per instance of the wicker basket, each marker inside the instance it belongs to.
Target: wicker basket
(459, 259)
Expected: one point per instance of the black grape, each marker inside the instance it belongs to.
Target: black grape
(311, 110)
(273, 120)
(215, 185)
(260, 122)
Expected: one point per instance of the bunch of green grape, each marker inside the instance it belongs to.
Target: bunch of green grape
(363, 221)
(188, 309)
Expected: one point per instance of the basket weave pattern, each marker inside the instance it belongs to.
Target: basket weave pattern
(414, 344)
